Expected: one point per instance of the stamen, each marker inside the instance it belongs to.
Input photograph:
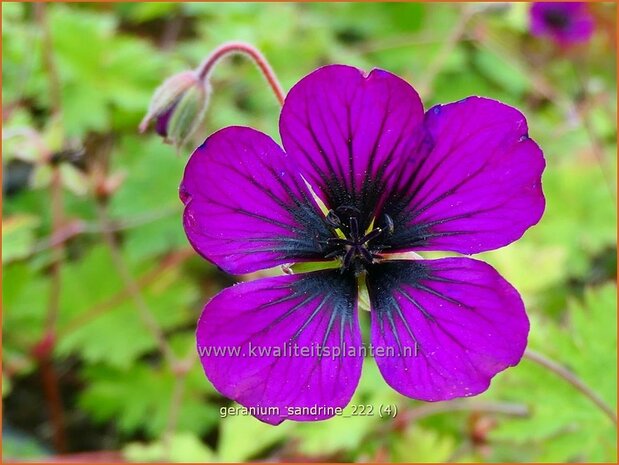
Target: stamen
(338, 241)
(371, 235)
(389, 224)
(350, 246)
(354, 228)
(333, 220)
(366, 254)
(350, 253)
(334, 254)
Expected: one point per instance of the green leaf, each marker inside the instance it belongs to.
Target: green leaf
(419, 445)
(104, 73)
(242, 437)
(18, 236)
(347, 432)
(151, 192)
(501, 72)
(565, 425)
(6, 385)
(138, 400)
(24, 304)
(182, 447)
(91, 307)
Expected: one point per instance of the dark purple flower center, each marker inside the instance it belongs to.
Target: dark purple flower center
(556, 18)
(356, 249)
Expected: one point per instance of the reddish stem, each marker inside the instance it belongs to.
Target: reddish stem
(57, 212)
(43, 351)
(48, 59)
(250, 51)
(54, 402)
(167, 263)
(131, 285)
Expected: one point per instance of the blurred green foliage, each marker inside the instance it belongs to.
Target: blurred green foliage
(117, 389)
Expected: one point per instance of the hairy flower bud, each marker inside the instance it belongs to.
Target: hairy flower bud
(177, 107)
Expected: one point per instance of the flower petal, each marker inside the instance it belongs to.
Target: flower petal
(474, 183)
(452, 324)
(306, 317)
(344, 130)
(245, 209)
(162, 121)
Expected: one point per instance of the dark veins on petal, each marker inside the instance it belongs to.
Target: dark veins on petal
(338, 184)
(397, 202)
(382, 206)
(405, 189)
(391, 280)
(387, 204)
(368, 229)
(301, 239)
(325, 291)
(385, 280)
(311, 230)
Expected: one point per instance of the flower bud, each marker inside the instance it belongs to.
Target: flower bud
(177, 107)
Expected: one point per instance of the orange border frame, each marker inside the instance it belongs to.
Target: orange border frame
(72, 459)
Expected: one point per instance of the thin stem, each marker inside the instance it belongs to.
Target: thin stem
(171, 31)
(48, 58)
(77, 227)
(132, 286)
(574, 380)
(101, 308)
(597, 147)
(55, 271)
(178, 391)
(181, 371)
(427, 80)
(230, 48)
(416, 413)
(44, 349)
(406, 416)
(51, 391)
(540, 86)
(460, 405)
(402, 41)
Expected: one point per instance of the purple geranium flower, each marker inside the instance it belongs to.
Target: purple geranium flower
(565, 22)
(363, 179)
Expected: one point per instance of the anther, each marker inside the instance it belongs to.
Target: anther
(371, 235)
(389, 224)
(354, 249)
(354, 228)
(333, 220)
(366, 254)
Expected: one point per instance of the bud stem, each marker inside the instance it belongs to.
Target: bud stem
(574, 380)
(250, 51)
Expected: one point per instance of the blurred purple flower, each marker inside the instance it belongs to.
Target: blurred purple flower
(363, 174)
(566, 23)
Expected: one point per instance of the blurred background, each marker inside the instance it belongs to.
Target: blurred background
(101, 290)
